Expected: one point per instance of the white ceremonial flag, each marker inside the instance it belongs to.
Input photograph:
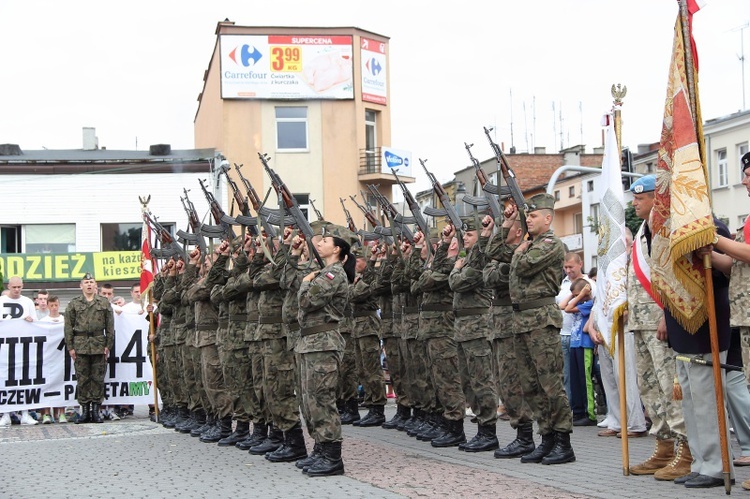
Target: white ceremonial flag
(612, 263)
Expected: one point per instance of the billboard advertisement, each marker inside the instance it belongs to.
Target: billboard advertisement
(286, 67)
(395, 159)
(374, 88)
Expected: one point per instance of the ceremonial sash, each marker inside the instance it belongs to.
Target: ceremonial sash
(641, 266)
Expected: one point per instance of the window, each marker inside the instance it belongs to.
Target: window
(371, 138)
(303, 200)
(58, 238)
(10, 239)
(578, 223)
(594, 217)
(291, 128)
(649, 167)
(572, 191)
(557, 195)
(721, 168)
(121, 237)
(590, 186)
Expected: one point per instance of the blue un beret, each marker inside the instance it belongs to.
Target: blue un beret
(647, 183)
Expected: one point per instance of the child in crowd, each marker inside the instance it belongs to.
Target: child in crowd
(54, 316)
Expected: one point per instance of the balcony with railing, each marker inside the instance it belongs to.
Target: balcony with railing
(371, 168)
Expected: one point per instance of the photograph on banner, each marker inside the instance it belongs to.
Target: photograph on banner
(36, 370)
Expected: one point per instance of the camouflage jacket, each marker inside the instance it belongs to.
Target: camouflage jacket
(535, 274)
(89, 325)
(496, 275)
(271, 298)
(471, 299)
(739, 290)
(643, 312)
(436, 317)
(364, 303)
(206, 313)
(173, 298)
(164, 331)
(189, 278)
(321, 301)
(412, 298)
(382, 290)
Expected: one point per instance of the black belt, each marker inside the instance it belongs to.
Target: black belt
(252, 317)
(365, 313)
(238, 317)
(502, 302)
(270, 319)
(328, 326)
(467, 312)
(411, 310)
(206, 327)
(436, 308)
(293, 326)
(88, 333)
(527, 305)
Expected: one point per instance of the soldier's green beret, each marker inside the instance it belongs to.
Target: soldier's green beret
(541, 202)
(342, 233)
(469, 223)
(317, 227)
(87, 277)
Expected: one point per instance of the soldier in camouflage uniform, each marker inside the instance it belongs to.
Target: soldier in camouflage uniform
(534, 282)
(437, 365)
(471, 306)
(279, 377)
(162, 334)
(322, 300)
(172, 299)
(382, 290)
(89, 337)
(655, 361)
(395, 347)
(496, 275)
(365, 335)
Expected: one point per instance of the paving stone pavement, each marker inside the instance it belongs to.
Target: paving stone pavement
(137, 458)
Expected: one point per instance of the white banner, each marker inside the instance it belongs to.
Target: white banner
(37, 372)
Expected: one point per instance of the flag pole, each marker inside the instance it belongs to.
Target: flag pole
(618, 93)
(151, 334)
(710, 305)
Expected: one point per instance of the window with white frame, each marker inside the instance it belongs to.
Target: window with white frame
(371, 138)
(741, 151)
(291, 128)
(722, 173)
(10, 239)
(50, 238)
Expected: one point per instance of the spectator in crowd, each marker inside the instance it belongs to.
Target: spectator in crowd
(54, 316)
(41, 304)
(135, 306)
(107, 291)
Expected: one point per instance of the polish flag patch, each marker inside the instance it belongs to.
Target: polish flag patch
(330, 275)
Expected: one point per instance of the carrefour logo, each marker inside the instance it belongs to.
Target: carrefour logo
(394, 160)
(246, 55)
(373, 66)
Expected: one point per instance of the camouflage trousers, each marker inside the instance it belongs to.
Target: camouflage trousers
(508, 383)
(188, 376)
(656, 373)
(369, 370)
(252, 398)
(162, 380)
(213, 382)
(442, 355)
(347, 388)
(393, 359)
(319, 378)
(476, 369)
(404, 395)
(540, 370)
(745, 342)
(173, 360)
(279, 382)
(423, 393)
(90, 370)
(196, 364)
(235, 365)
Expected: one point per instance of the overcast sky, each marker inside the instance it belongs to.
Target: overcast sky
(133, 70)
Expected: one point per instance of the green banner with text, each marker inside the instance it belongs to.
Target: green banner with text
(50, 267)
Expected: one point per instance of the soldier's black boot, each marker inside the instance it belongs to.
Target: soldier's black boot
(95, 416)
(523, 444)
(408, 415)
(260, 432)
(402, 412)
(213, 430)
(273, 441)
(416, 420)
(484, 440)
(562, 452)
(85, 415)
(182, 418)
(309, 460)
(293, 448)
(454, 436)
(168, 417)
(330, 463)
(375, 417)
(193, 423)
(544, 448)
(207, 423)
(434, 430)
(426, 424)
(351, 412)
(240, 433)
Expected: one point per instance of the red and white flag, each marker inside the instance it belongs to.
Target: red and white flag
(147, 263)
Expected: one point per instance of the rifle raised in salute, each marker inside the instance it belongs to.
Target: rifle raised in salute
(510, 180)
(244, 217)
(487, 187)
(220, 217)
(349, 219)
(372, 219)
(398, 223)
(448, 209)
(317, 212)
(195, 238)
(169, 247)
(287, 199)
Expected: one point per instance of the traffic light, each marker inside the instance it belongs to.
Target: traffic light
(626, 165)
